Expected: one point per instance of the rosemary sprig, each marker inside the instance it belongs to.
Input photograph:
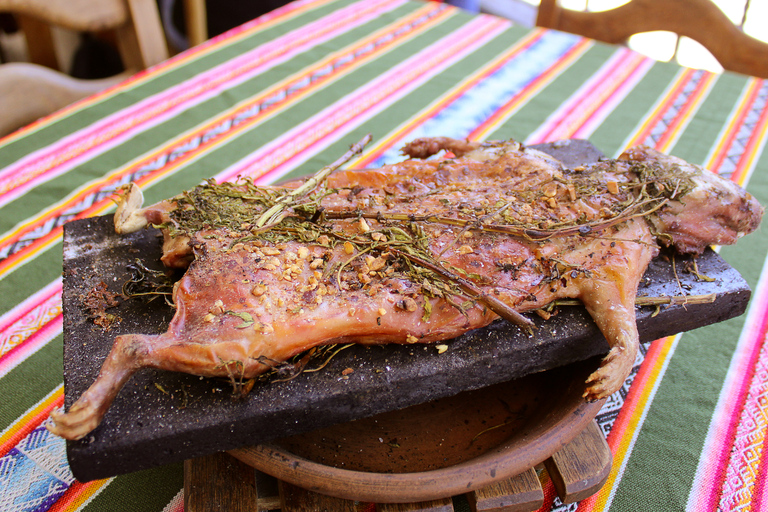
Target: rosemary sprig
(494, 304)
(534, 235)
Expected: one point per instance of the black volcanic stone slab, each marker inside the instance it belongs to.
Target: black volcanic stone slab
(161, 417)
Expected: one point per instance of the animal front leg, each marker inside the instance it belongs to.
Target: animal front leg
(614, 368)
(609, 293)
(614, 313)
(86, 413)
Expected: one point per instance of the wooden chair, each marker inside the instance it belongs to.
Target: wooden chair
(29, 91)
(701, 20)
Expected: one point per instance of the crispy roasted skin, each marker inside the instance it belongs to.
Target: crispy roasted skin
(420, 251)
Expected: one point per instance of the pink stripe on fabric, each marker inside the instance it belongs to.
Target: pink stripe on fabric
(30, 326)
(176, 504)
(276, 159)
(51, 292)
(607, 106)
(59, 157)
(568, 118)
(31, 344)
(758, 502)
(726, 418)
(748, 438)
(248, 26)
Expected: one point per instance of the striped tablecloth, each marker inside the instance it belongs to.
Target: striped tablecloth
(290, 91)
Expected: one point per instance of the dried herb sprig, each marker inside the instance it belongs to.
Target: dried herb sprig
(665, 300)
(274, 214)
(494, 304)
(146, 282)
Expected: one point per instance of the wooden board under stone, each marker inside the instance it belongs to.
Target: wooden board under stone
(161, 417)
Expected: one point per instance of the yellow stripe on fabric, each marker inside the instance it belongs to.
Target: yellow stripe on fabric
(503, 115)
(215, 44)
(30, 419)
(642, 131)
(79, 495)
(627, 426)
(719, 149)
(665, 103)
(439, 103)
(14, 261)
(297, 77)
(672, 135)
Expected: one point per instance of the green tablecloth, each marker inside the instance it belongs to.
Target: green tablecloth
(287, 93)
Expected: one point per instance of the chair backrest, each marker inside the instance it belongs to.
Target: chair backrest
(701, 20)
(137, 26)
(29, 91)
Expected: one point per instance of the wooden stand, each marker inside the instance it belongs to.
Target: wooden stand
(221, 482)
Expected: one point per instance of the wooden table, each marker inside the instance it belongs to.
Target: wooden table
(221, 482)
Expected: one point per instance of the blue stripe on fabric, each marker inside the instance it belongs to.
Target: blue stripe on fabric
(34, 474)
(472, 108)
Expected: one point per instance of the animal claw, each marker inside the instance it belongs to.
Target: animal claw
(609, 377)
(75, 423)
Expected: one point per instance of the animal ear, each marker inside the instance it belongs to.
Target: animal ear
(129, 216)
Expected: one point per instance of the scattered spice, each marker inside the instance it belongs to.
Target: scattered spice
(97, 301)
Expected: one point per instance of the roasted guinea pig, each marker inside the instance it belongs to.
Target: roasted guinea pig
(415, 252)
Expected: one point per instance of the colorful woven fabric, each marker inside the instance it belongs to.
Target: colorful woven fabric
(287, 93)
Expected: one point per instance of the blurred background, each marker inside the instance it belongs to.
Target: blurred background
(750, 15)
(94, 56)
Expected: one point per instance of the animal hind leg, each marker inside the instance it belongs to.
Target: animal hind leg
(126, 356)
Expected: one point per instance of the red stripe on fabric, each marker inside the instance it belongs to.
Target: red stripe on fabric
(70, 496)
(740, 397)
(692, 98)
(686, 77)
(750, 149)
(32, 423)
(534, 84)
(415, 123)
(656, 351)
(52, 236)
(17, 315)
(739, 121)
(758, 493)
(43, 332)
(618, 68)
(96, 207)
(312, 135)
(550, 493)
(150, 108)
(274, 16)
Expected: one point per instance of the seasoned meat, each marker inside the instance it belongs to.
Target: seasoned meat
(416, 252)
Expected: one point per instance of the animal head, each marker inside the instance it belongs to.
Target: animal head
(710, 210)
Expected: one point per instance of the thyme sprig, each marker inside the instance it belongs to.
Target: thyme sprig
(494, 304)
(277, 215)
(274, 214)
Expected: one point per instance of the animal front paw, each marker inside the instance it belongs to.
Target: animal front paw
(74, 424)
(609, 377)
